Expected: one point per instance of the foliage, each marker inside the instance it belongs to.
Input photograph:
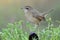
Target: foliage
(14, 31)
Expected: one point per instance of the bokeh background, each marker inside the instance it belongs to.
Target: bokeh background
(10, 11)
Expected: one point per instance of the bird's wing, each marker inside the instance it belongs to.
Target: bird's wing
(40, 16)
(37, 15)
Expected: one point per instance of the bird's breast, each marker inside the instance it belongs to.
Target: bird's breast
(30, 18)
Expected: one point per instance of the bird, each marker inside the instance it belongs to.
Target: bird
(33, 36)
(34, 16)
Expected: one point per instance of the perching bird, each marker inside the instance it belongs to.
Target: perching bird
(33, 36)
(34, 16)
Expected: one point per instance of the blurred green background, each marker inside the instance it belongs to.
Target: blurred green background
(10, 11)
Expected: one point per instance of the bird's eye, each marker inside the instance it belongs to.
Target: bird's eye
(27, 8)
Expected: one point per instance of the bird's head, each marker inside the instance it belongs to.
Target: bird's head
(27, 8)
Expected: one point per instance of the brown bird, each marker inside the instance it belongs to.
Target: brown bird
(34, 16)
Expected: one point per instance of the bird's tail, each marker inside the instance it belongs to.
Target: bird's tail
(46, 13)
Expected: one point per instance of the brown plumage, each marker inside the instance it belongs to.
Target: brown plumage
(33, 15)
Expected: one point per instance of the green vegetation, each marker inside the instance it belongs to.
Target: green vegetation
(14, 31)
